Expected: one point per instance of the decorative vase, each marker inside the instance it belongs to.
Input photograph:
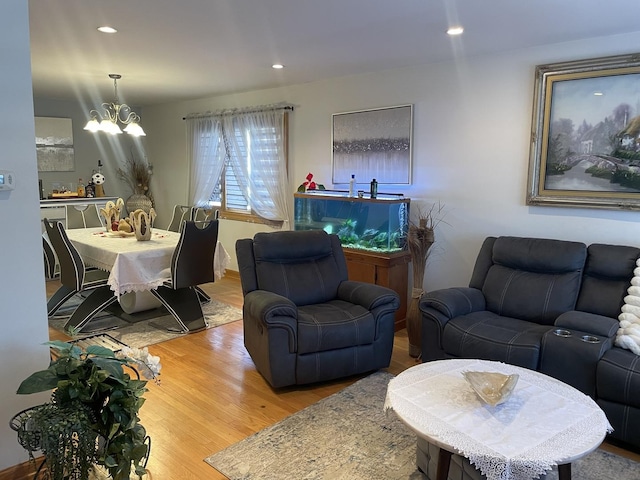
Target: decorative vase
(420, 239)
(111, 213)
(138, 201)
(414, 323)
(142, 222)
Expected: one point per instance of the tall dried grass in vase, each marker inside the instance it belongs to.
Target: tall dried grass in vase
(420, 239)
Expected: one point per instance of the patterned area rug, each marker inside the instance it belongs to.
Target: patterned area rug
(146, 328)
(349, 436)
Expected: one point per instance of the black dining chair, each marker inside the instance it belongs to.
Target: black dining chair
(50, 263)
(183, 213)
(191, 265)
(74, 278)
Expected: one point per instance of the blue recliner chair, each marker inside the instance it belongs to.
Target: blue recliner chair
(304, 321)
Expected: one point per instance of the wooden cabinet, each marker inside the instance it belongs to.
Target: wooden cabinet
(387, 270)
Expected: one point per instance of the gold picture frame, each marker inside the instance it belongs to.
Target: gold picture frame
(585, 142)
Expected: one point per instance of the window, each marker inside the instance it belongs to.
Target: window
(248, 158)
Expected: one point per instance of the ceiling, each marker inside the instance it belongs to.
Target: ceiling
(172, 50)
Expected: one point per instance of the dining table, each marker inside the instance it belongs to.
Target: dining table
(134, 266)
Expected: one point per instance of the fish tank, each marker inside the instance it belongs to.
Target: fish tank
(362, 223)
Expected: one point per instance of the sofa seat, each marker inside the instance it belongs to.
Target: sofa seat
(618, 384)
(619, 368)
(489, 336)
(332, 325)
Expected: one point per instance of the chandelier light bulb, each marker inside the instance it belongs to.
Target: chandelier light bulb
(113, 113)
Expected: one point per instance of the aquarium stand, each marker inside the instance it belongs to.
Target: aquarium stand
(388, 270)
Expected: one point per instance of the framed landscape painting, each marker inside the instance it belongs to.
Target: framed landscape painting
(585, 148)
(373, 144)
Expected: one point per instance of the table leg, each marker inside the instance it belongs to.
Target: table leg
(564, 471)
(444, 460)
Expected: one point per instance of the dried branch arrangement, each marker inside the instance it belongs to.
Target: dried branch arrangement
(137, 175)
(420, 239)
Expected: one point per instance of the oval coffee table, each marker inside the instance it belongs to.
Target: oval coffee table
(543, 423)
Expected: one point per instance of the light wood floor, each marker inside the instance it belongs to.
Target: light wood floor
(211, 395)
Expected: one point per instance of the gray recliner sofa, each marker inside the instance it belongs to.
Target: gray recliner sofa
(304, 321)
(548, 305)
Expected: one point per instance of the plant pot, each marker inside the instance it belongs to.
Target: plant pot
(414, 323)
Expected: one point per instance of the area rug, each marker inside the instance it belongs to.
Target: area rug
(349, 436)
(145, 328)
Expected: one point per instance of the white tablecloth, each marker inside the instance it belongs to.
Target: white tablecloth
(134, 266)
(544, 423)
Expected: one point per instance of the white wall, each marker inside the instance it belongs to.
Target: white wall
(471, 149)
(23, 318)
(89, 147)
(472, 121)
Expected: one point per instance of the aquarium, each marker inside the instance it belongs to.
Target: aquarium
(362, 223)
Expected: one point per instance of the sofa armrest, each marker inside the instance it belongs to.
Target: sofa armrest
(453, 302)
(588, 323)
(368, 295)
(271, 310)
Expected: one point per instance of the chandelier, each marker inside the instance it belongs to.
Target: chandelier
(114, 113)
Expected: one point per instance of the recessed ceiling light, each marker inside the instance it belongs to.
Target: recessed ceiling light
(277, 66)
(106, 29)
(455, 31)
(598, 94)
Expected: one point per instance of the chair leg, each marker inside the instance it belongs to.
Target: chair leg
(58, 299)
(98, 300)
(202, 295)
(184, 305)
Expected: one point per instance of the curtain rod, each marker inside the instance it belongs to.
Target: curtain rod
(235, 111)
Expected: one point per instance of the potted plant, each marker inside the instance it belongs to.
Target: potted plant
(92, 418)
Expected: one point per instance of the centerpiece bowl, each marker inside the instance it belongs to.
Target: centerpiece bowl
(493, 388)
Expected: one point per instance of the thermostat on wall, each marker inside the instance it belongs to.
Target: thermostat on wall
(7, 180)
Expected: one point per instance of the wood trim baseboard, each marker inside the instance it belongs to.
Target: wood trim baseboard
(231, 274)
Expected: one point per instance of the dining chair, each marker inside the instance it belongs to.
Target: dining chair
(74, 278)
(191, 265)
(181, 213)
(203, 214)
(50, 262)
(82, 216)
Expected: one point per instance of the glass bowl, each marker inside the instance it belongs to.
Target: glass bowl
(493, 388)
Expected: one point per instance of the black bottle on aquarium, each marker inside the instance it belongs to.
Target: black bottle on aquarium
(374, 188)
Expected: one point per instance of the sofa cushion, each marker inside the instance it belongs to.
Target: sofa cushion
(618, 377)
(607, 275)
(533, 279)
(333, 325)
(489, 336)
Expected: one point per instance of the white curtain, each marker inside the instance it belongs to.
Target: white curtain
(251, 142)
(259, 137)
(206, 156)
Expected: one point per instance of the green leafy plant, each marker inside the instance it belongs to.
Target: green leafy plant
(92, 418)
